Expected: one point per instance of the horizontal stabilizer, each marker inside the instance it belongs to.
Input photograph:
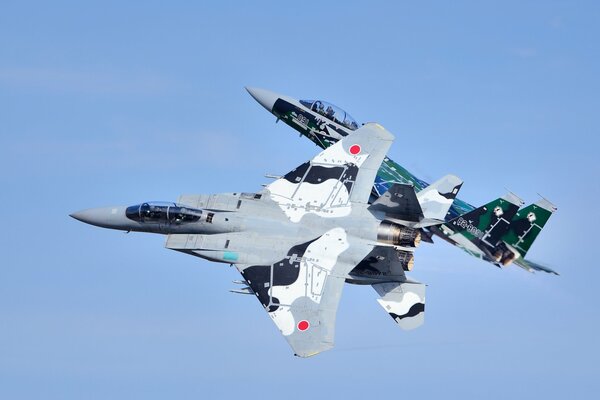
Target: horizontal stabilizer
(404, 302)
(532, 266)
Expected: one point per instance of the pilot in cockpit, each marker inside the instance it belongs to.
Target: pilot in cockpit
(316, 105)
(329, 112)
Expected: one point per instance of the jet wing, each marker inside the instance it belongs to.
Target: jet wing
(302, 291)
(339, 175)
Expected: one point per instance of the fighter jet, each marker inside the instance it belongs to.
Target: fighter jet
(300, 238)
(496, 232)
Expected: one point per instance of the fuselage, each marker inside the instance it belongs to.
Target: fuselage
(249, 228)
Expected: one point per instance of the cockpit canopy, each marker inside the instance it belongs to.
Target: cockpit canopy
(331, 112)
(163, 212)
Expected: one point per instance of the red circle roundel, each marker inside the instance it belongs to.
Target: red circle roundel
(354, 149)
(303, 325)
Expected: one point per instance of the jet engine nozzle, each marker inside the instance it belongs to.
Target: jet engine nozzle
(407, 259)
(507, 258)
(504, 255)
(398, 235)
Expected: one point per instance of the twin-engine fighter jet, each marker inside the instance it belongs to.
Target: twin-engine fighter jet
(497, 232)
(298, 240)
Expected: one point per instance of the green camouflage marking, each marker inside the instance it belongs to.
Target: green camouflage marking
(483, 222)
(525, 226)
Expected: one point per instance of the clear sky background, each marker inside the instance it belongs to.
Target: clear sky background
(108, 104)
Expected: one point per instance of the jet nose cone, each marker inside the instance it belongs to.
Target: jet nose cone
(93, 216)
(80, 215)
(106, 217)
(266, 98)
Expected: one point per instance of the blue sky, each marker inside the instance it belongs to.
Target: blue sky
(106, 103)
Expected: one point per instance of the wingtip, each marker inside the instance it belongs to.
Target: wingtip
(546, 204)
(456, 180)
(379, 130)
(513, 198)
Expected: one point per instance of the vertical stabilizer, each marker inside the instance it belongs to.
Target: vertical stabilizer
(487, 224)
(437, 198)
(527, 224)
